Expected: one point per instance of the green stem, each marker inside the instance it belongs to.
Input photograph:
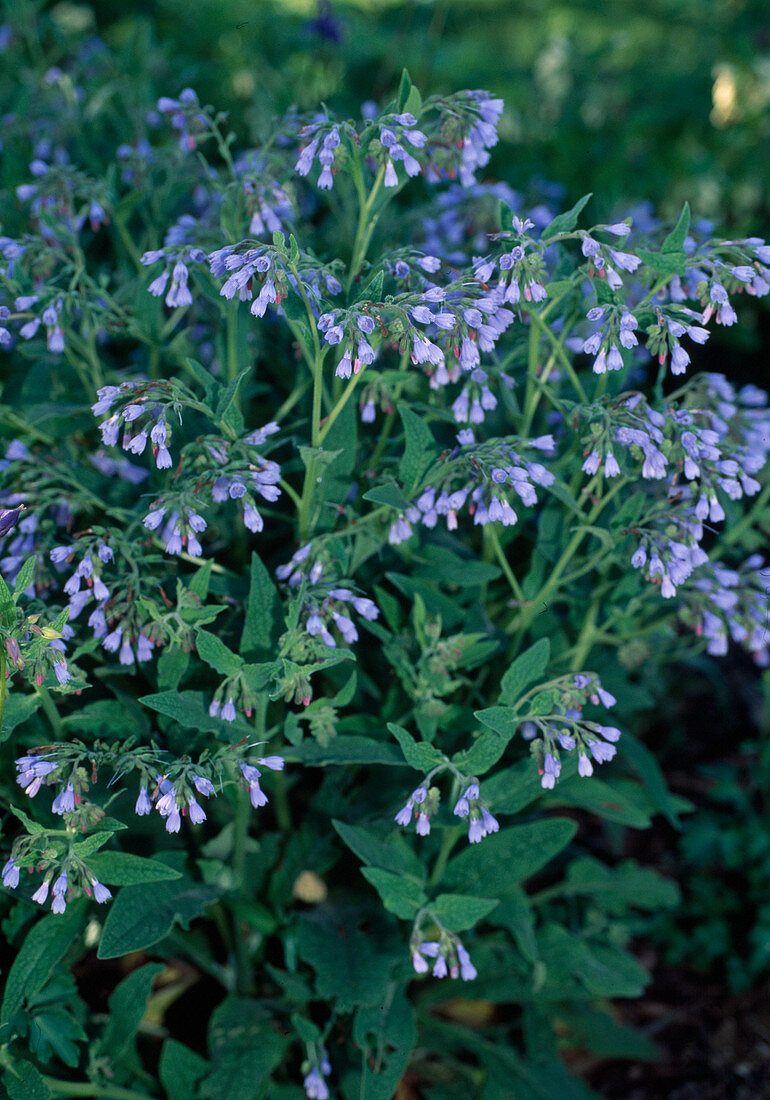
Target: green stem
(586, 636)
(232, 344)
(128, 243)
(451, 836)
(340, 405)
(527, 614)
(309, 483)
(79, 1089)
(494, 541)
(561, 354)
(244, 979)
(51, 712)
(2, 687)
(365, 226)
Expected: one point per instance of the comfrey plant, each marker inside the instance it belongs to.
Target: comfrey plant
(282, 486)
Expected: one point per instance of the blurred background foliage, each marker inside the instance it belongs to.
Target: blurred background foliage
(656, 102)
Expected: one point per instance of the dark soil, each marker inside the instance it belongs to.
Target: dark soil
(713, 1045)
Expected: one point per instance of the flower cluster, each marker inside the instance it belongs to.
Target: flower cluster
(724, 604)
(482, 479)
(143, 412)
(449, 955)
(562, 726)
(424, 801)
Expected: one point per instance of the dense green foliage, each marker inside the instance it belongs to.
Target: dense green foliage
(317, 448)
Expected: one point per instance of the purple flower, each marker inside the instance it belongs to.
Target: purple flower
(65, 801)
(42, 892)
(197, 814)
(61, 672)
(101, 893)
(11, 875)
(143, 803)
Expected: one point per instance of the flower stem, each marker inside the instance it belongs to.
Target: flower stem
(51, 712)
(2, 690)
(244, 977)
(451, 836)
(365, 226)
(81, 1089)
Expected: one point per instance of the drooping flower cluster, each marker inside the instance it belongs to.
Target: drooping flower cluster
(563, 726)
(175, 261)
(423, 803)
(450, 957)
(482, 479)
(313, 1082)
(173, 792)
(723, 604)
(143, 411)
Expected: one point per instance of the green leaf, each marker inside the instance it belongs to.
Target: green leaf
(601, 798)
(257, 677)
(172, 665)
(211, 387)
(515, 913)
(128, 1003)
(123, 718)
(457, 912)
(18, 708)
(228, 414)
(245, 1047)
(31, 826)
(545, 702)
(180, 1069)
(528, 667)
(24, 577)
(674, 242)
(418, 754)
(126, 869)
(143, 914)
(404, 90)
(663, 264)
(618, 888)
(402, 896)
(419, 450)
(510, 856)
(90, 844)
(483, 753)
(396, 857)
(47, 942)
(346, 750)
(388, 494)
(352, 966)
(414, 103)
(566, 222)
(372, 291)
(23, 1082)
(264, 612)
(215, 653)
(189, 709)
(503, 720)
(201, 579)
(453, 569)
(648, 769)
(386, 1035)
(600, 969)
(7, 606)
